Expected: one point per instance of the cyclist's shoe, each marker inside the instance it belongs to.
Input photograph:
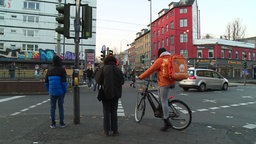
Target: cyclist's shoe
(167, 125)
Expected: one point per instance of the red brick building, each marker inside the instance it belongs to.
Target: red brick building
(178, 30)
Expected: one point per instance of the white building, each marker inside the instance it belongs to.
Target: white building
(27, 26)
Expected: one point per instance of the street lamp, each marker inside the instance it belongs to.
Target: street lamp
(186, 33)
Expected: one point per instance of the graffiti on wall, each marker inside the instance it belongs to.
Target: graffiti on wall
(43, 55)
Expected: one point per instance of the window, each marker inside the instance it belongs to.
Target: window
(172, 25)
(199, 54)
(1, 46)
(222, 53)
(31, 5)
(31, 19)
(184, 52)
(254, 54)
(249, 56)
(1, 17)
(13, 31)
(167, 27)
(162, 30)
(14, 16)
(154, 35)
(243, 53)
(183, 10)
(162, 43)
(1, 2)
(183, 23)
(29, 47)
(30, 33)
(183, 37)
(236, 54)
(229, 54)
(167, 42)
(172, 39)
(159, 33)
(171, 14)
(158, 44)
(210, 53)
(13, 47)
(1, 31)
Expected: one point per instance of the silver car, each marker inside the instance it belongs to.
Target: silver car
(203, 79)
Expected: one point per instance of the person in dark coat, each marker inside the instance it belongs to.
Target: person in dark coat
(111, 78)
(56, 84)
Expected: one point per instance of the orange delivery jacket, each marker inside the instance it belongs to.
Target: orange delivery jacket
(156, 66)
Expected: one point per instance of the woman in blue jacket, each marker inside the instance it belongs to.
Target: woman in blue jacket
(56, 84)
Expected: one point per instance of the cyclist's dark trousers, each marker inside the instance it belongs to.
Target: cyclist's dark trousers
(110, 114)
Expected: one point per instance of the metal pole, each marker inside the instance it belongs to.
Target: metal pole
(76, 71)
(58, 37)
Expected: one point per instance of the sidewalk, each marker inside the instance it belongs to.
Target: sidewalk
(89, 131)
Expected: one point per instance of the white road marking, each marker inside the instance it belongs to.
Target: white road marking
(120, 109)
(225, 106)
(250, 126)
(11, 98)
(30, 107)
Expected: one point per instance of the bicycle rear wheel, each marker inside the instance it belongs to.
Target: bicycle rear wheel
(180, 114)
(140, 107)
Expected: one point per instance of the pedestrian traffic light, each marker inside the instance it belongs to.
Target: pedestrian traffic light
(86, 21)
(110, 53)
(102, 55)
(63, 18)
(245, 65)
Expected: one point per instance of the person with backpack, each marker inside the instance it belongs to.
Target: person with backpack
(164, 84)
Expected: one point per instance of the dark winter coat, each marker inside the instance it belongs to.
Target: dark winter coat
(55, 78)
(111, 77)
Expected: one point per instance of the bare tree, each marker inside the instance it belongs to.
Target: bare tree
(235, 30)
(207, 36)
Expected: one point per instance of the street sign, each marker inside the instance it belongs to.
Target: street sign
(103, 48)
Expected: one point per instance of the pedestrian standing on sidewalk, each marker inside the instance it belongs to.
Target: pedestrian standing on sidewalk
(56, 84)
(111, 78)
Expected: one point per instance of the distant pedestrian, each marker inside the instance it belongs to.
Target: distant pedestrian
(89, 74)
(12, 69)
(133, 77)
(55, 82)
(111, 78)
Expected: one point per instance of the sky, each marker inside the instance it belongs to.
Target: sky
(118, 21)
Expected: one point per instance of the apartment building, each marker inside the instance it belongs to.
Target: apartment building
(27, 30)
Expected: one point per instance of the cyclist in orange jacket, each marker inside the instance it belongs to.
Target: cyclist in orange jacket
(164, 85)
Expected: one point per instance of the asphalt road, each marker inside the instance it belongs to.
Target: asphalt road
(223, 117)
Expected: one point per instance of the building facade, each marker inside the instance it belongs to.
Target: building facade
(178, 30)
(27, 30)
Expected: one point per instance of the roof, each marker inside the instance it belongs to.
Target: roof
(223, 42)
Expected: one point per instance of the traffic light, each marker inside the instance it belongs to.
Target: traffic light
(86, 21)
(63, 18)
(245, 65)
(110, 53)
(102, 55)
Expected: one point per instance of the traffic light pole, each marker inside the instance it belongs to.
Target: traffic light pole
(58, 37)
(76, 71)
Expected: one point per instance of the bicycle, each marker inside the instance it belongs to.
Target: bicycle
(180, 114)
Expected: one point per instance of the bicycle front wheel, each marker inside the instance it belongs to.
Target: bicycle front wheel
(140, 107)
(180, 114)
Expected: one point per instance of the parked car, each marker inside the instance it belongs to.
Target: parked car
(203, 79)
